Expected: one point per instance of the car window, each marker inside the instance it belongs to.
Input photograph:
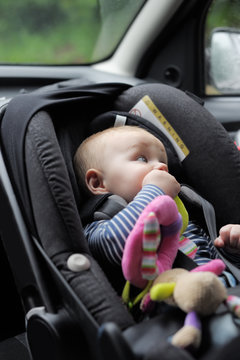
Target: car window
(62, 31)
(222, 48)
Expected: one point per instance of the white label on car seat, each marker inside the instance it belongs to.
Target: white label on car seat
(148, 110)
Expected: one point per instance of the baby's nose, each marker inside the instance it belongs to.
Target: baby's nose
(161, 166)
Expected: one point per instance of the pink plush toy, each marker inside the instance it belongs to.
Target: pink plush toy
(152, 251)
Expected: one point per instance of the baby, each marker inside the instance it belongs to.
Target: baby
(121, 161)
(130, 162)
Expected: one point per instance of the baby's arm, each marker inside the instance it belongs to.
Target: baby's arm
(229, 238)
(107, 238)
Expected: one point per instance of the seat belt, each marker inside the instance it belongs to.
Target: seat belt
(210, 219)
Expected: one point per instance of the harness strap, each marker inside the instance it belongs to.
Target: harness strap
(207, 208)
(210, 219)
(101, 207)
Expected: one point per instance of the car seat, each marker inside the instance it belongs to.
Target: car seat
(72, 310)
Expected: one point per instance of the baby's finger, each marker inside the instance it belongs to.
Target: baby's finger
(235, 237)
(219, 242)
(225, 232)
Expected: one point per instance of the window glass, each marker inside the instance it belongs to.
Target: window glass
(62, 31)
(222, 48)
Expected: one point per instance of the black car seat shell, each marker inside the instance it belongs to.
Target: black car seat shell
(40, 133)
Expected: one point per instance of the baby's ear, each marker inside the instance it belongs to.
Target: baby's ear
(94, 182)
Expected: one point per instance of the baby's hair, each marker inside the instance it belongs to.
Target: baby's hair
(87, 155)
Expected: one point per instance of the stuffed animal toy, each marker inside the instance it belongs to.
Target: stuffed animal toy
(152, 245)
(198, 293)
(147, 263)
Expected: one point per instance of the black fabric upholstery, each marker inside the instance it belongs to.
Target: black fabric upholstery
(14, 348)
(49, 184)
(58, 224)
(230, 351)
(72, 105)
(213, 165)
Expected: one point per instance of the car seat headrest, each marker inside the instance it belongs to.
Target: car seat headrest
(213, 164)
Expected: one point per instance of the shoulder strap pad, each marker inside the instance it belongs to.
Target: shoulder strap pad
(101, 207)
(112, 205)
(191, 196)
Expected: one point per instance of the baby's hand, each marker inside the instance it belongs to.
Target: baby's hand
(164, 181)
(229, 238)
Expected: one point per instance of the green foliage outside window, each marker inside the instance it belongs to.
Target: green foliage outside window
(62, 31)
(222, 59)
(223, 13)
(47, 31)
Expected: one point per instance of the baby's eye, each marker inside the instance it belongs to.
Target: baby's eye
(142, 158)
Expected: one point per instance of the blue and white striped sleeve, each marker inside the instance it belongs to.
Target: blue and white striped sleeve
(106, 238)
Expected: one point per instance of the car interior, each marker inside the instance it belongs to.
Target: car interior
(39, 164)
(47, 309)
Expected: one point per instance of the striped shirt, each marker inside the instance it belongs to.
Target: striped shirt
(107, 238)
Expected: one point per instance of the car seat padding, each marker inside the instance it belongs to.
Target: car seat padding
(213, 165)
(67, 103)
(49, 184)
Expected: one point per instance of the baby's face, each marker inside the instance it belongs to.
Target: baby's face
(128, 156)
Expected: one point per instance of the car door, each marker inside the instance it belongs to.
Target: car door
(185, 55)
